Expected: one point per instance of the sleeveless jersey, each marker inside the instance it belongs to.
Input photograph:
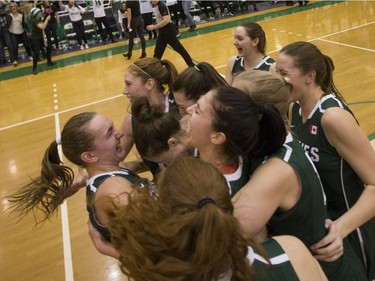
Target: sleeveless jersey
(239, 178)
(341, 184)
(239, 66)
(276, 267)
(171, 107)
(93, 185)
(306, 219)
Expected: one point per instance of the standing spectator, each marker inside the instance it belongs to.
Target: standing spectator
(186, 4)
(116, 4)
(123, 20)
(4, 34)
(51, 29)
(146, 13)
(135, 26)
(174, 10)
(37, 36)
(101, 18)
(75, 12)
(17, 32)
(167, 34)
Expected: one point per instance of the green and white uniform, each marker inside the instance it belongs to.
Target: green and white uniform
(306, 219)
(92, 186)
(239, 178)
(341, 184)
(239, 65)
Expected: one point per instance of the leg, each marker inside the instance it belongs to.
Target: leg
(177, 46)
(160, 46)
(142, 38)
(186, 6)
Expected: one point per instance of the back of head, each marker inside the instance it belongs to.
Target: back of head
(198, 80)
(265, 87)
(251, 129)
(190, 234)
(254, 30)
(153, 127)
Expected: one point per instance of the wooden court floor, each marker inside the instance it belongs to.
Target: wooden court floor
(34, 108)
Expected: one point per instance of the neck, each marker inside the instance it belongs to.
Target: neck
(309, 99)
(252, 60)
(156, 98)
(103, 168)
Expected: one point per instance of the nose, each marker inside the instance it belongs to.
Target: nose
(190, 109)
(119, 134)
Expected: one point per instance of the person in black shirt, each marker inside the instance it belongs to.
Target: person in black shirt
(135, 26)
(167, 33)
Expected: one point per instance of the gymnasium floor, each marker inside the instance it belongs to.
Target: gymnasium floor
(34, 108)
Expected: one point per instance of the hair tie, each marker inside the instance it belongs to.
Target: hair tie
(205, 201)
(197, 68)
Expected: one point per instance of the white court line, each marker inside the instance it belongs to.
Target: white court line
(346, 45)
(64, 111)
(68, 264)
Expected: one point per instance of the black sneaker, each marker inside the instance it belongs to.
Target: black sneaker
(192, 28)
(50, 63)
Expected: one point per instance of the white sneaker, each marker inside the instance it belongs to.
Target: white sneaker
(82, 47)
(31, 58)
(135, 41)
(15, 63)
(86, 46)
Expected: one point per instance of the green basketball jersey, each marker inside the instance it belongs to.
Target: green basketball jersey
(306, 220)
(238, 65)
(341, 184)
(93, 185)
(239, 178)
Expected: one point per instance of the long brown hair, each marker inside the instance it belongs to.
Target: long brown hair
(49, 190)
(190, 233)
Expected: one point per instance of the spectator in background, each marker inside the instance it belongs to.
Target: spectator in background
(116, 4)
(123, 20)
(75, 12)
(146, 13)
(4, 34)
(101, 18)
(186, 5)
(174, 10)
(17, 32)
(36, 37)
(51, 29)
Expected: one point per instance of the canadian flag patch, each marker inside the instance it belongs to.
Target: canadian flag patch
(313, 130)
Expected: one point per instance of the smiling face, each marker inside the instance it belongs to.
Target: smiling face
(134, 86)
(182, 102)
(200, 122)
(243, 42)
(107, 145)
(285, 68)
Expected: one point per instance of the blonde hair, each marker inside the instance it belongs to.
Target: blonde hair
(265, 87)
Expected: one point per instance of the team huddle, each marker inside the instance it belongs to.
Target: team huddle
(262, 175)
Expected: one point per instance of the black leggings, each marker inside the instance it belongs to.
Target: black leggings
(137, 28)
(36, 46)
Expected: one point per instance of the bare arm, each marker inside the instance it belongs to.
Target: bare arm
(306, 267)
(43, 25)
(127, 141)
(228, 70)
(266, 191)
(352, 145)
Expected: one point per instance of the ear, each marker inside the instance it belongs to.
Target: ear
(218, 137)
(172, 141)
(150, 84)
(310, 77)
(89, 157)
(255, 42)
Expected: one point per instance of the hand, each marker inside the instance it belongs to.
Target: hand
(330, 248)
(150, 27)
(100, 244)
